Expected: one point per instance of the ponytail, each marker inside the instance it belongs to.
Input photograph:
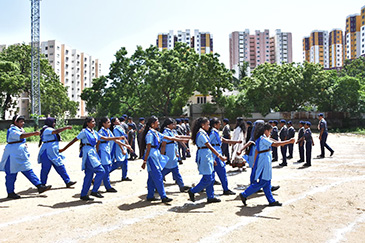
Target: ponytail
(213, 121)
(150, 120)
(167, 122)
(196, 126)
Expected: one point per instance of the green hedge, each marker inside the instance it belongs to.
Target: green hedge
(67, 135)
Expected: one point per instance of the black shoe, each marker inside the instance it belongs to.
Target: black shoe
(152, 199)
(228, 162)
(276, 203)
(243, 199)
(166, 200)
(126, 179)
(274, 160)
(283, 164)
(13, 195)
(306, 165)
(300, 161)
(188, 156)
(111, 190)
(320, 157)
(96, 194)
(180, 162)
(229, 192)
(217, 183)
(289, 157)
(213, 200)
(332, 153)
(191, 195)
(184, 188)
(86, 198)
(71, 183)
(43, 188)
(274, 188)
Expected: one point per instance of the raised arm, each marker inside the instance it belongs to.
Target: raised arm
(282, 143)
(69, 144)
(245, 146)
(29, 134)
(111, 138)
(61, 129)
(176, 139)
(215, 151)
(121, 145)
(229, 141)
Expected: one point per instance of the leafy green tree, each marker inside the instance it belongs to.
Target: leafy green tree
(157, 82)
(348, 95)
(11, 82)
(15, 79)
(354, 68)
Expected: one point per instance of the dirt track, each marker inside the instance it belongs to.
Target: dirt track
(323, 203)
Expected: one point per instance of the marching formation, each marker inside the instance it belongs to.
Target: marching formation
(162, 151)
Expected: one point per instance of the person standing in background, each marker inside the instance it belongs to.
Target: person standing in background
(291, 134)
(323, 134)
(283, 134)
(140, 128)
(227, 135)
(301, 143)
(274, 135)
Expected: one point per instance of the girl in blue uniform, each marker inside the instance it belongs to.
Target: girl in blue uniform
(170, 149)
(104, 151)
(154, 160)
(216, 142)
(119, 154)
(90, 159)
(16, 158)
(262, 163)
(204, 159)
(49, 154)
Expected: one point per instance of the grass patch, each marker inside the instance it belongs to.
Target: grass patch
(66, 136)
(356, 130)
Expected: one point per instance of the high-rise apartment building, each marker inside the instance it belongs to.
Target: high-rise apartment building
(306, 49)
(202, 42)
(283, 47)
(335, 48)
(166, 40)
(259, 48)
(352, 36)
(239, 49)
(318, 48)
(75, 69)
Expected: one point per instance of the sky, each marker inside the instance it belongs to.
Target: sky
(100, 28)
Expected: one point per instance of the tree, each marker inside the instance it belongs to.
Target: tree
(348, 96)
(11, 83)
(158, 82)
(15, 79)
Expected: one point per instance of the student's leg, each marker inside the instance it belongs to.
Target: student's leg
(157, 179)
(46, 167)
(99, 175)
(61, 170)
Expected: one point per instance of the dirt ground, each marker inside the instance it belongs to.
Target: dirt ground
(322, 203)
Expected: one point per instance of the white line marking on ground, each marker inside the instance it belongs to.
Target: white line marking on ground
(340, 233)
(222, 231)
